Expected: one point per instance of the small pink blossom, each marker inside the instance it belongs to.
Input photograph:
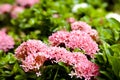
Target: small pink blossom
(16, 10)
(59, 37)
(32, 54)
(71, 20)
(80, 25)
(29, 47)
(83, 26)
(27, 2)
(59, 54)
(55, 15)
(86, 69)
(5, 8)
(83, 67)
(6, 41)
(94, 34)
(82, 40)
(33, 62)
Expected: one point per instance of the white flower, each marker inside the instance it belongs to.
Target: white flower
(77, 6)
(72, 74)
(113, 15)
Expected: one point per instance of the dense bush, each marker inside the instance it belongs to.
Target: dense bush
(59, 40)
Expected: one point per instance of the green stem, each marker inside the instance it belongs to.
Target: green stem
(56, 74)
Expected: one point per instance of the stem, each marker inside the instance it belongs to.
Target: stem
(56, 74)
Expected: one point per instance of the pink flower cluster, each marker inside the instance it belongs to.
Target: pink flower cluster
(34, 53)
(6, 41)
(25, 3)
(14, 10)
(29, 47)
(5, 8)
(75, 39)
(59, 37)
(33, 62)
(31, 53)
(82, 66)
(83, 26)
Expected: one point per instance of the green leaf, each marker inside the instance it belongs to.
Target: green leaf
(114, 24)
(115, 62)
(116, 49)
(106, 74)
(116, 34)
(19, 77)
(63, 65)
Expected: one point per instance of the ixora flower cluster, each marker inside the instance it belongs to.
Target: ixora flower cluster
(33, 53)
(6, 41)
(82, 36)
(17, 8)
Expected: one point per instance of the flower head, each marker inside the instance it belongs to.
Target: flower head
(80, 25)
(71, 20)
(25, 3)
(81, 65)
(59, 37)
(6, 41)
(83, 26)
(16, 10)
(29, 47)
(55, 15)
(33, 62)
(75, 39)
(5, 8)
(82, 40)
(85, 68)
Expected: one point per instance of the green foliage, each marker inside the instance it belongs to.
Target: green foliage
(55, 72)
(38, 22)
(7, 1)
(9, 67)
(40, 17)
(108, 61)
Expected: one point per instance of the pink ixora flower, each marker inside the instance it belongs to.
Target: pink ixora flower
(82, 40)
(59, 37)
(81, 65)
(55, 15)
(75, 39)
(33, 62)
(6, 41)
(71, 20)
(25, 3)
(59, 55)
(29, 47)
(83, 26)
(16, 10)
(80, 25)
(85, 68)
(34, 53)
(5, 8)
(94, 34)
